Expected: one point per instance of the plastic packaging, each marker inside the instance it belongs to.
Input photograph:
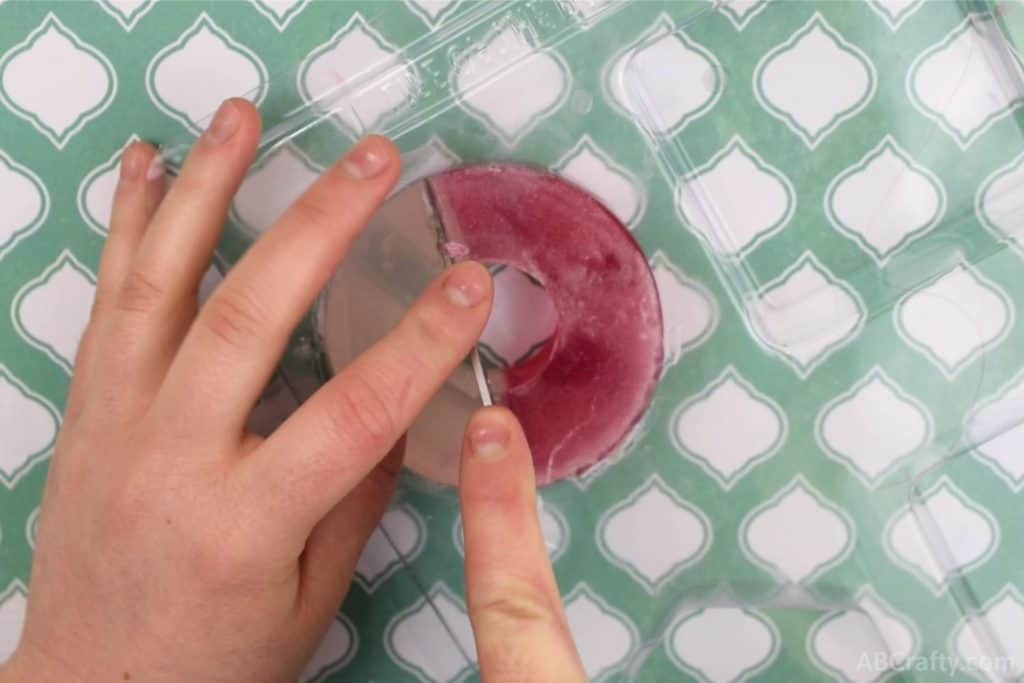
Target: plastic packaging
(402, 96)
(912, 248)
(915, 237)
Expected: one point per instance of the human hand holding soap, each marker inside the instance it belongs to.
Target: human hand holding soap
(174, 545)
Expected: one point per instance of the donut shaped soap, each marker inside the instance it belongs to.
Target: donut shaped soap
(581, 395)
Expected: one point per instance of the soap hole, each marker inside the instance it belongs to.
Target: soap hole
(519, 336)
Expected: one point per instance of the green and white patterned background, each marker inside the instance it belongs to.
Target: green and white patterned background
(759, 527)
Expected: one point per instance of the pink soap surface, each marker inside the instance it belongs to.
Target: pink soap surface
(578, 398)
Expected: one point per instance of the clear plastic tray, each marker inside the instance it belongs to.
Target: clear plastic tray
(912, 248)
(912, 241)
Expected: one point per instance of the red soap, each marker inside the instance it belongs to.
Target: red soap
(580, 396)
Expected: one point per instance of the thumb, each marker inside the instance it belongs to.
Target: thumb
(514, 606)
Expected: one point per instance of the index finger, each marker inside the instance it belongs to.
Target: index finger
(324, 449)
(514, 606)
(236, 341)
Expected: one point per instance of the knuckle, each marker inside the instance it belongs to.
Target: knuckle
(218, 551)
(307, 211)
(430, 326)
(139, 293)
(195, 183)
(363, 414)
(100, 304)
(218, 561)
(507, 499)
(507, 601)
(234, 318)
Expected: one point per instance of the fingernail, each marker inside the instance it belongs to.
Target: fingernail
(489, 440)
(155, 170)
(131, 164)
(365, 160)
(225, 123)
(466, 285)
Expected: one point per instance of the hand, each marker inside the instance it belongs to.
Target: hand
(173, 545)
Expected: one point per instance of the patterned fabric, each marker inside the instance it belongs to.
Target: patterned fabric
(795, 508)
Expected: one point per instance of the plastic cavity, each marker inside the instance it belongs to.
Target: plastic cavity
(899, 226)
